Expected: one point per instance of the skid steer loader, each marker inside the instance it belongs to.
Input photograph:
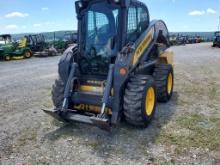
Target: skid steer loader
(120, 67)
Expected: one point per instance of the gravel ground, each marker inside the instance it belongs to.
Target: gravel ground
(185, 131)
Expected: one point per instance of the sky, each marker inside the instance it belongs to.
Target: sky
(20, 16)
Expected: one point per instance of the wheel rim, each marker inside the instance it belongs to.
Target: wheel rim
(27, 54)
(150, 101)
(170, 83)
(7, 58)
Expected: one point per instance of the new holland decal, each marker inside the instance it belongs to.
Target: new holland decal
(143, 45)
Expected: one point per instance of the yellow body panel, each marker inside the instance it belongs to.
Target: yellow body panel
(96, 89)
(91, 108)
(23, 43)
(88, 88)
(166, 57)
(143, 45)
(18, 57)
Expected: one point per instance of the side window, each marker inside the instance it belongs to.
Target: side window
(132, 20)
(132, 25)
(138, 22)
(143, 19)
(91, 23)
(102, 23)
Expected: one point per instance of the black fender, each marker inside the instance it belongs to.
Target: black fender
(133, 55)
(159, 32)
(65, 62)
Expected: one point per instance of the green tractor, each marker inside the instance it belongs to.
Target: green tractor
(64, 42)
(15, 51)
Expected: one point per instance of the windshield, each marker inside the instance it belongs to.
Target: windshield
(101, 29)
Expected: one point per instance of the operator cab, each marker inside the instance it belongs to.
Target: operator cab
(104, 28)
(100, 30)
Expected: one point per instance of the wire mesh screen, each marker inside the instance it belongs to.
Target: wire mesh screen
(142, 15)
(91, 25)
(96, 21)
(132, 20)
(142, 19)
(101, 20)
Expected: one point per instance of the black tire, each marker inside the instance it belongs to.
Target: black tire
(27, 54)
(66, 61)
(7, 58)
(58, 93)
(135, 100)
(161, 76)
(64, 69)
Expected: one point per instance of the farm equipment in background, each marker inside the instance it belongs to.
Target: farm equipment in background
(70, 38)
(194, 39)
(173, 40)
(181, 40)
(36, 42)
(15, 50)
(190, 40)
(121, 66)
(216, 42)
(64, 42)
(199, 39)
(59, 45)
(40, 47)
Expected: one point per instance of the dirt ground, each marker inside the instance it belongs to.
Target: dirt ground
(185, 131)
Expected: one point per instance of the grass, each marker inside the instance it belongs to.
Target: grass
(192, 129)
(205, 70)
(212, 93)
(205, 133)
